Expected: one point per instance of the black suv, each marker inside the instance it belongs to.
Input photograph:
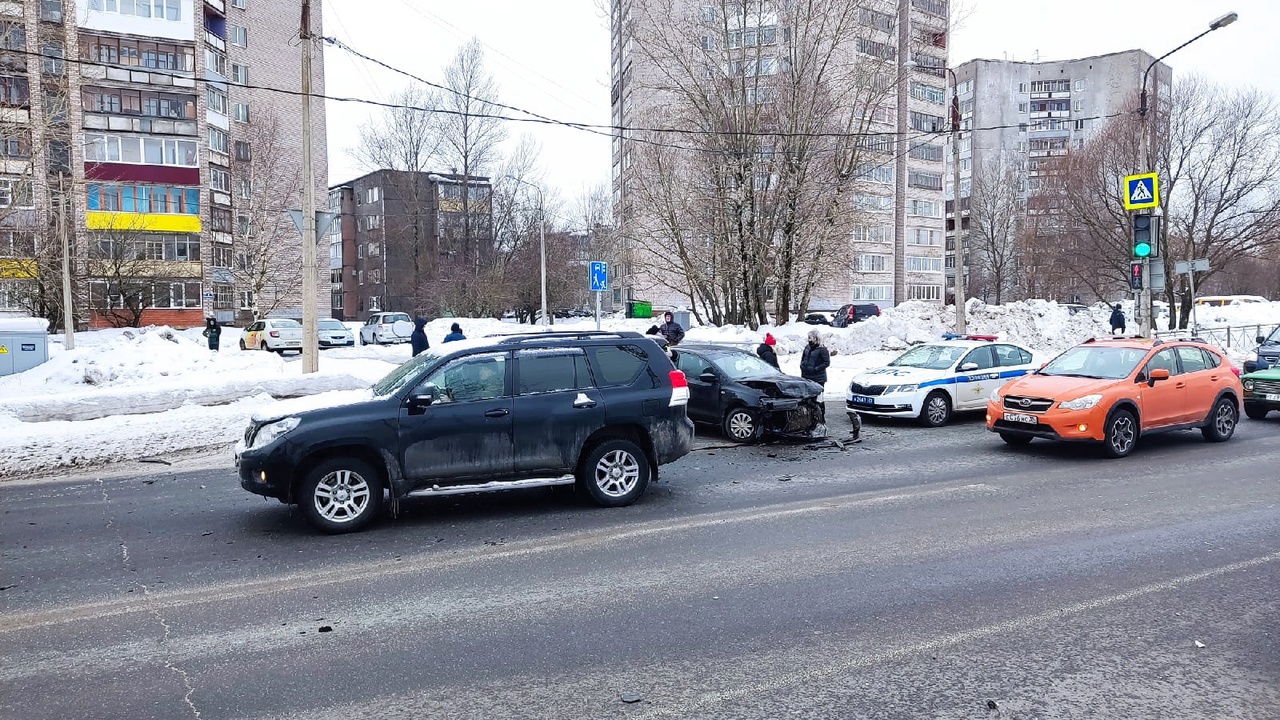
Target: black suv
(1268, 353)
(854, 312)
(596, 409)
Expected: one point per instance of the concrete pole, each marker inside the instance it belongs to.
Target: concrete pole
(542, 241)
(310, 351)
(68, 314)
(955, 202)
(902, 149)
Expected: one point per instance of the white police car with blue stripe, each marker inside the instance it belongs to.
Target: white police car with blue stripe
(933, 380)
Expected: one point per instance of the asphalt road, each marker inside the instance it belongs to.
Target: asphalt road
(920, 574)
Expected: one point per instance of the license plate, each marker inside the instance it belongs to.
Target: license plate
(1022, 418)
(1271, 397)
(863, 400)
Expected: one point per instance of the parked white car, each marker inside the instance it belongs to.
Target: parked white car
(332, 333)
(385, 328)
(275, 334)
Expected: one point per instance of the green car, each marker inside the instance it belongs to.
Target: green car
(1261, 392)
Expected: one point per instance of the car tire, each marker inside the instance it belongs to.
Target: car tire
(936, 410)
(742, 425)
(341, 495)
(1016, 440)
(1255, 412)
(614, 473)
(1222, 421)
(1121, 434)
(242, 347)
(362, 342)
(263, 347)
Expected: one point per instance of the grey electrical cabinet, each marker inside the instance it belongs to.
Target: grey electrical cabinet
(24, 344)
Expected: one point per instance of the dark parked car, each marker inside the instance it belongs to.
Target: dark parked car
(818, 318)
(599, 410)
(747, 397)
(1268, 353)
(855, 312)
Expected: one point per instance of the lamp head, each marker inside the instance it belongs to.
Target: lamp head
(1224, 21)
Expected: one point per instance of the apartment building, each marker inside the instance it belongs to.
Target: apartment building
(400, 241)
(1021, 116)
(893, 250)
(133, 125)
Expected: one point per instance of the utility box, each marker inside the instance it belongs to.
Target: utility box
(681, 317)
(639, 309)
(24, 344)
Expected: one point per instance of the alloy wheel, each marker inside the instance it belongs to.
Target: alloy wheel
(1123, 434)
(617, 473)
(341, 496)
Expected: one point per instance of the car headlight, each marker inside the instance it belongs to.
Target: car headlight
(270, 432)
(1082, 403)
(822, 397)
(1248, 385)
(900, 389)
(996, 397)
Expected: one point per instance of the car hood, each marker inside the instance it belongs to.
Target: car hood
(1268, 374)
(1057, 387)
(783, 386)
(899, 376)
(312, 404)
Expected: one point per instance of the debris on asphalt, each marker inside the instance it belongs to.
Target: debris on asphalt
(326, 628)
(784, 478)
(156, 461)
(991, 705)
(631, 698)
(1199, 644)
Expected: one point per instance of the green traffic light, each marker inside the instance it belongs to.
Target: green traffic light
(1142, 250)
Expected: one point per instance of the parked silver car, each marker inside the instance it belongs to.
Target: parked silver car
(332, 333)
(385, 328)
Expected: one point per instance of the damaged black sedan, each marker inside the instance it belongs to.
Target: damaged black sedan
(747, 397)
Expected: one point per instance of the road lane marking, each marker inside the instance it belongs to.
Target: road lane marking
(353, 573)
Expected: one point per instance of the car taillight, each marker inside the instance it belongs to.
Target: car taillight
(679, 389)
(274, 333)
(1235, 370)
(877, 309)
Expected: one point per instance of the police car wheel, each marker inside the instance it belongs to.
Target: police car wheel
(937, 409)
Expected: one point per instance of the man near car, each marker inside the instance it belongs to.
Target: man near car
(455, 334)
(1117, 320)
(670, 329)
(815, 359)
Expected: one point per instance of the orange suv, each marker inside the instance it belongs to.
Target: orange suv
(1114, 390)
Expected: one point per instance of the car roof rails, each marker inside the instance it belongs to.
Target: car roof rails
(984, 338)
(567, 335)
(1105, 338)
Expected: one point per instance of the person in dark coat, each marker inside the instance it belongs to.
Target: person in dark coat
(1117, 320)
(815, 360)
(213, 331)
(455, 333)
(670, 329)
(766, 351)
(419, 337)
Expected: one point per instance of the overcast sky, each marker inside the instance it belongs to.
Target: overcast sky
(552, 56)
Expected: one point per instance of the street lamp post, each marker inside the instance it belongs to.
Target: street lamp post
(542, 242)
(956, 211)
(1144, 160)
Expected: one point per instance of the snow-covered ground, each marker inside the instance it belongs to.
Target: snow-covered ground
(129, 394)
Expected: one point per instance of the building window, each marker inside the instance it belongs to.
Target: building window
(246, 300)
(1022, 88)
(14, 244)
(15, 192)
(884, 51)
(871, 234)
(921, 236)
(242, 151)
(924, 292)
(924, 180)
(240, 4)
(926, 151)
(147, 246)
(222, 255)
(217, 100)
(241, 112)
(928, 93)
(14, 91)
(932, 7)
(138, 102)
(219, 179)
(52, 55)
(215, 61)
(876, 174)
(220, 219)
(923, 264)
(15, 146)
(374, 194)
(138, 53)
(238, 36)
(924, 208)
(925, 122)
(873, 263)
(223, 296)
(872, 292)
(246, 188)
(1048, 86)
(239, 73)
(111, 197)
(873, 203)
(159, 9)
(218, 140)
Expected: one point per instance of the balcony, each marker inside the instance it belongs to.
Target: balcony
(215, 41)
(1051, 114)
(218, 6)
(1060, 95)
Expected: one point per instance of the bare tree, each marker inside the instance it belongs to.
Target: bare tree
(268, 261)
(995, 217)
(403, 137)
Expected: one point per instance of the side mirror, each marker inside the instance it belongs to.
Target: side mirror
(1159, 374)
(707, 377)
(425, 395)
(1262, 339)
(966, 367)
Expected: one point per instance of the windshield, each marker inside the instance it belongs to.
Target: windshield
(930, 357)
(404, 375)
(1102, 363)
(1274, 337)
(332, 325)
(743, 365)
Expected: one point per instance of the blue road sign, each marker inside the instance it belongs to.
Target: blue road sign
(599, 276)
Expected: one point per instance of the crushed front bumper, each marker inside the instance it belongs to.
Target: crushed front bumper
(794, 418)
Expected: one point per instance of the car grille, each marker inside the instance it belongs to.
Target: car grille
(1268, 387)
(857, 389)
(1018, 403)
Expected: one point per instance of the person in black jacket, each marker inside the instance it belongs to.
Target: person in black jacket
(670, 329)
(815, 360)
(419, 337)
(213, 331)
(1117, 320)
(766, 351)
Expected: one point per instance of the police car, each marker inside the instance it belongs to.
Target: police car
(933, 380)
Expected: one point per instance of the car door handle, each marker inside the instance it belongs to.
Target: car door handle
(583, 402)
(1180, 385)
(499, 412)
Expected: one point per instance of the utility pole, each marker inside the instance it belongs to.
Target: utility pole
(310, 351)
(902, 149)
(68, 314)
(955, 202)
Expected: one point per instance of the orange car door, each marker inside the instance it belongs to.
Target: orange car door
(1163, 403)
(1203, 382)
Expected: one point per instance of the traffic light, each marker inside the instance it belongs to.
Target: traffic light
(1146, 233)
(1135, 276)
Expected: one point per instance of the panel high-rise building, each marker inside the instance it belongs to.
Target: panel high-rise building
(149, 136)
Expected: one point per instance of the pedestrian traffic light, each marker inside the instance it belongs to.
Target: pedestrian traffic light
(1135, 276)
(1146, 232)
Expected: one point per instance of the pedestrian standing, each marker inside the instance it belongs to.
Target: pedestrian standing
(670, 329)
(815, 359)
(766, 351)
(1117, 320)
(455, 333)
(418, 340)
(213, 331)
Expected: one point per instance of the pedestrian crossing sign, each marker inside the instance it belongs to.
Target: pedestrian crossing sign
(1141, 191)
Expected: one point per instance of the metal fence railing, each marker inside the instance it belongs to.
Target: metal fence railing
(1233, 339)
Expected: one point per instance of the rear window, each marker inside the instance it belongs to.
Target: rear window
(545, 372)
(285, 323)
(1192, 359)
(394, 318)
(617, 365)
